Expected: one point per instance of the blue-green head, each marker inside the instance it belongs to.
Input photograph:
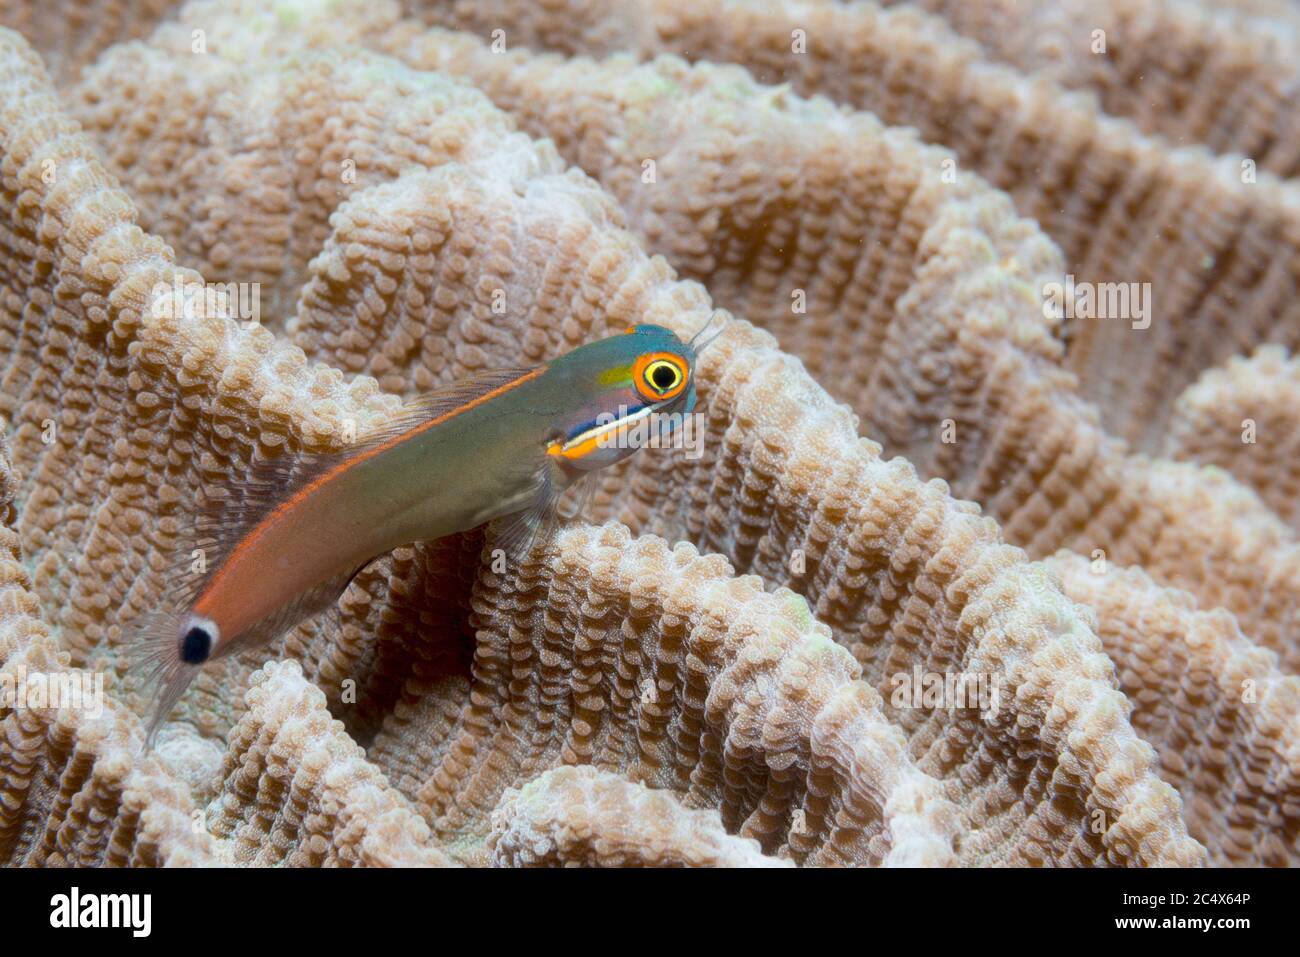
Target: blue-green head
(628, 391)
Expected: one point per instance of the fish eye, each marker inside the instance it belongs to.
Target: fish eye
(660, 376)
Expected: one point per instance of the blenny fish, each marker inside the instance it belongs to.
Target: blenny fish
(505, 443)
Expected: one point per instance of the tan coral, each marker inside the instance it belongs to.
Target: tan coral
(251, 203)
(275, 377)
(471, 243)
(297, 790)
(956, 290)
(70, 34)
(959, 336)
(681, 298)
(1224, 719)
(71, 791)
(1245, 417)
(1178, 69)
(654, 661)
(583, 817)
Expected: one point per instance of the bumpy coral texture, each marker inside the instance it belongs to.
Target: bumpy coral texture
(710, 676)
(584, 816)
(1222, 715)
(1220, 418)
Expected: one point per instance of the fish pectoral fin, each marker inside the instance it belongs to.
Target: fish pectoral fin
(586, 494)
(517, 533)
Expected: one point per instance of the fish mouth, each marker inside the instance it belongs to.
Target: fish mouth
(611, 434)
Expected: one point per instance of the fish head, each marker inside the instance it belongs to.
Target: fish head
(627, 392)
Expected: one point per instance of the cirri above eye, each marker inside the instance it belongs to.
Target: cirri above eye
(660, 375)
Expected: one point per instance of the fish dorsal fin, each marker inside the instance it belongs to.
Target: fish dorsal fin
(446, 402)
(242, 499)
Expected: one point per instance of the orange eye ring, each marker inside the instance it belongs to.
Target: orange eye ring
(649, 371)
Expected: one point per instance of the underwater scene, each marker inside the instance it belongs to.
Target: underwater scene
(612, 433)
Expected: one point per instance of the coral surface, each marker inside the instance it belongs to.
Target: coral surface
(966, 574)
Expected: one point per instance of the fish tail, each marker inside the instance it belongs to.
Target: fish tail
(155, 668)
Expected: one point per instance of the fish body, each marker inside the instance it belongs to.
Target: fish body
(292, 533)
(430, 479)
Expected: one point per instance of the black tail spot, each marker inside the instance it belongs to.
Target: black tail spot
(196, 646)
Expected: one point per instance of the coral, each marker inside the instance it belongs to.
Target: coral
(582, 816)
(415, 206)
(72, 790)
(71, 34)
(1245, 417)
(1182, 70)
(1222, 716)
(1178, 69)
(655, 661)
(297, 790)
